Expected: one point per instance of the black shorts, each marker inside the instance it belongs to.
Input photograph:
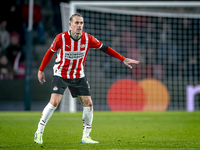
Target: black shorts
(77, 87)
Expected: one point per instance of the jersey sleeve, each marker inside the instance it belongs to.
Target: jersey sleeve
(46, 59)
(115, 54)
(94, 43)
(56, 44)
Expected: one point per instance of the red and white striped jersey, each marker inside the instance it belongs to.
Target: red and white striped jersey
(71, 54)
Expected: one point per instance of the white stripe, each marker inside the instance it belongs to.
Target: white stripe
(79, 49)
(53, 50)
(86, 46)
(63, 59)
(55, 68)
(100, 46)
(71, 60)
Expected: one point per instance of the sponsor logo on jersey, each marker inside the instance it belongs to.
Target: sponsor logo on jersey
(74, 55)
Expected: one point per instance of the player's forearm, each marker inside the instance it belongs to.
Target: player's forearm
(46, 59)
(112, 53)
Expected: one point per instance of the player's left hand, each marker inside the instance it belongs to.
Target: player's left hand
(128, 61)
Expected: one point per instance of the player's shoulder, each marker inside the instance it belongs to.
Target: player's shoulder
(88, 35)
(59, 36)
(65, 33)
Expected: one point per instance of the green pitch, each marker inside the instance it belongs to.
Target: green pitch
(113, 130)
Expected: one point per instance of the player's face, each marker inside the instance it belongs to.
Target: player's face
(76, 24)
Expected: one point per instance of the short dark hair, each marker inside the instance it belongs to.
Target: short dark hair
(76, 14)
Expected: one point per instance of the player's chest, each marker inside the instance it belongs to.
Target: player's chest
(71, 45)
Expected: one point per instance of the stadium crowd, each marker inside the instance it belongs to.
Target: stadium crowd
(13, 31)
(166, 47)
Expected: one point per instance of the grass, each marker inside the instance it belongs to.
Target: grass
(113, 130)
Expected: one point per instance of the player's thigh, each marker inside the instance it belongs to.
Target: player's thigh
(79, 87)
(58, 85)
(86, 100)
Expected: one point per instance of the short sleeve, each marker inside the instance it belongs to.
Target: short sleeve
(94, 43)
(56, 44)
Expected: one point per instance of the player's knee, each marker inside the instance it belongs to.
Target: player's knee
(54, 103)
(90, 103)
(87, 102)
(55, 99)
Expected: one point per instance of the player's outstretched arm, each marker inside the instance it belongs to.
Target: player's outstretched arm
(128, 61)
(41, 77)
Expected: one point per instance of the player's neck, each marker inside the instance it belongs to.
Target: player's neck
(75, 36)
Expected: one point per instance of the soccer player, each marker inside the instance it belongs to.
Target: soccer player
(72, 47)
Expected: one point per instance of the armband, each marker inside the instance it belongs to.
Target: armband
(104, 48)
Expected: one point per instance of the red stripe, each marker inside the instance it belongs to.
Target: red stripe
(74, 61)
(85, 57)
(81, 61)
(79, 68)
(65, 68)
(67, 61)
(72, 69)
(61, 55)
(75, 45)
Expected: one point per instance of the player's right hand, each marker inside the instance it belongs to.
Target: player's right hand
(41, 77)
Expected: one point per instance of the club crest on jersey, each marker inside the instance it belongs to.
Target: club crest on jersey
(82, 45)
(55, 88)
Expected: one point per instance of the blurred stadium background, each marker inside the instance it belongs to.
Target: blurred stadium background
(164, 38)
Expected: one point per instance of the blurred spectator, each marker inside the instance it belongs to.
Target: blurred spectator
(117, 69)
(128, 38)
(4, 36)
(16, 55)
(19, 67)
(151, 36)
(6, 69)
(111, 38)
(158, 72)
(193, 71)
(150, 59)
(57, 16)
(37, 21)
(164, 42)
(132, 51)
(185, 44)
(110, 31)
(193, 67)
(4, 6)
(14, 47)
(14, 19)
